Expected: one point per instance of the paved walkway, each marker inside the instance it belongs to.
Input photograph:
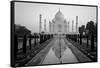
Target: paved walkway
(59, 50)
(41, 55)
(80, 56)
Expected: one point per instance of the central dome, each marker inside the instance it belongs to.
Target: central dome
(59, 15)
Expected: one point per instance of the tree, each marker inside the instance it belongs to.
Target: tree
(91, 27)
(21, 30)
(82, 29)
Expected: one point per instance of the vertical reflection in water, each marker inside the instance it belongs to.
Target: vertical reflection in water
(59, 53)
(59, 49)
(51, 58)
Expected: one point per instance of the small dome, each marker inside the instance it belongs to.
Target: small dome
(53, 21)
(65, 21)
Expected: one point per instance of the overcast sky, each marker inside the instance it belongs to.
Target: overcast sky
(27, 14)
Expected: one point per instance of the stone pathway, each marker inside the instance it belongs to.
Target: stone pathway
(40, 56)
(80, 56)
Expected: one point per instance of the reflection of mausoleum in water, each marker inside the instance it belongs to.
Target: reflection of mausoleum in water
(59, 25)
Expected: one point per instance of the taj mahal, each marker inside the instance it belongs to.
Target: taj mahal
(59, 25)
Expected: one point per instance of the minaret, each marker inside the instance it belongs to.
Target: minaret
(68, 26)
(44, 25)
(72, 26)
(65, 26)
(53, 28)
(40, 27)
(49, 26)
(76, 23)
